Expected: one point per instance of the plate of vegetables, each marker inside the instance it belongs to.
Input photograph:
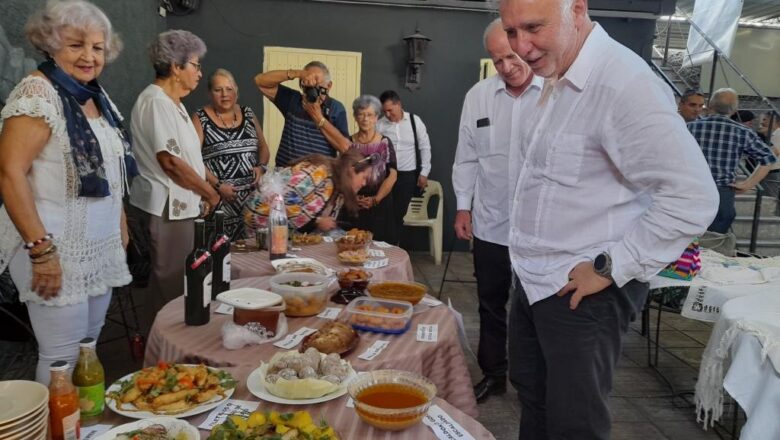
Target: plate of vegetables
(298, 425)
(177, 390)
(160, 428)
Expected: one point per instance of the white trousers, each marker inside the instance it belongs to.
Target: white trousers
(58, 330)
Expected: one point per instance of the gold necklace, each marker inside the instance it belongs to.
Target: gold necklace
(235, 119)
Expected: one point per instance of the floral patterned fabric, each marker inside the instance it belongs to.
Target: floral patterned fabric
(309, 193)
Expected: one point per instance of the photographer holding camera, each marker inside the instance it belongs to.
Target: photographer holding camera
(313, 121)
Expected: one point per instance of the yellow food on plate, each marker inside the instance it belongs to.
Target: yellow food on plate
(353, 257)
(298, 425)
(306, 238)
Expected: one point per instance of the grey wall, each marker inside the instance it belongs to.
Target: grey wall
(236, 31)
(137, 23)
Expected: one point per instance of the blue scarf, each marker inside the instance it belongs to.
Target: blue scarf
(84, 145)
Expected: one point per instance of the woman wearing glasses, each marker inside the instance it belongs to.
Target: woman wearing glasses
(171, 189)
(375, 199)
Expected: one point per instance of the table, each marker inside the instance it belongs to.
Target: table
(343, 419)
(721, 279)
(743, 356)
(256, 264)
(443, 362)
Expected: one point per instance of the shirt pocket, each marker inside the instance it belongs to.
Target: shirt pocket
(565, 158)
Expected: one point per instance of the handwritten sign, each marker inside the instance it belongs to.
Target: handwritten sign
(294, 339)
(431, 302)
(232, 407)
(376, 264)
(374, 350)
(382, 244)
(376, 253)
(444, 426)
(327, 239)
(94, 431)
(224, 309)
(427, 332)
(330, 313)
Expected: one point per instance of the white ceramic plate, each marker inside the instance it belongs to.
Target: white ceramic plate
(174, 427)
(254, 384)
(24, 424)
(135, 414)
(19, 398)
(31, 431)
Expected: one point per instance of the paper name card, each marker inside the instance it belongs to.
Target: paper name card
(382, 244)
(374, 350)
(330, 313)
(376, 253)
(350, 402)
(376, 264)
(94, 431)
(431, 302)
(444, 426)
(327, 239)
(224, 309)
(427, 332)
(232, 407)
(294, 339)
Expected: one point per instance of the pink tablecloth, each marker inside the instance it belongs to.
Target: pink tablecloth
(257, 264)
(443, 362)
(343, 419)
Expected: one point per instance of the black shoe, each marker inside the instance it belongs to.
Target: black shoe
(490, 385)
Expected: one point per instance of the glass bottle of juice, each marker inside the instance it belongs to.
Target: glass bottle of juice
(277, 229)
(64, 411)
(90, 380)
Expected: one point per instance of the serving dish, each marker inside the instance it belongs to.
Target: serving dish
(305, 294)
(177, 429)
(391, 400)
(380, 315)
(399, 291)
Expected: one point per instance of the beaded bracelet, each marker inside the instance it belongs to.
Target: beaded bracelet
(32, 244)
(49, 250)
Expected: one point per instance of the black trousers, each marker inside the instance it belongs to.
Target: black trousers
(403, 190)
(494, 280)
(562, 361)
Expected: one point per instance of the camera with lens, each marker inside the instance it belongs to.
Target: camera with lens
(313, 93)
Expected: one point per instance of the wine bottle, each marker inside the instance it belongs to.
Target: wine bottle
(197, 280)
(277, 229)
(220, 254)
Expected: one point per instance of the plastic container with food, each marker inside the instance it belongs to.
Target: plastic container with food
(356, 279)
(254, 305)
(396, 290)
(305, 294)
(354, 240)
(380, 315)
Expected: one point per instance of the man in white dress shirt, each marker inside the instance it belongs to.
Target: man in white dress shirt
(492, 116)
(611, 187)
(409, 136)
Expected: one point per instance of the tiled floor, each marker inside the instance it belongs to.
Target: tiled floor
(643, 406)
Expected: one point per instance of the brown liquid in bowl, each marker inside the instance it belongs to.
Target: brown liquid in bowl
(392, 396)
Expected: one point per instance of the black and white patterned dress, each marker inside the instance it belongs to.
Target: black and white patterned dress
(230, 154)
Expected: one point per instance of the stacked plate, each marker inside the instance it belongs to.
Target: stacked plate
(24, 410)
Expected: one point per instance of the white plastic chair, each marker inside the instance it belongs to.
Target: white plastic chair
(417, 215)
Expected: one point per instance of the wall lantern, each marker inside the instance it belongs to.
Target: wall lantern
(416, 43)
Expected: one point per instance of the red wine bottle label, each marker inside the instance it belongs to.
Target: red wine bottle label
(218, 244)
(195, 264)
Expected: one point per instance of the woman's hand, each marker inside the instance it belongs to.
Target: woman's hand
(47, 278)
(227, 191)
(325, 223)
(366, 202)
(258, 172)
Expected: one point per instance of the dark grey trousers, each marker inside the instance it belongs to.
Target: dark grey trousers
(562, 361)
(493, 270)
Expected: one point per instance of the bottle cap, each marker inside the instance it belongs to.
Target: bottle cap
(87, 343)
(59, 366)
(199, 220)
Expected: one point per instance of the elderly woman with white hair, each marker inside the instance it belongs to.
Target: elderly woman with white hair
(171, 189)
(64, 163)
(233, 147)
(375, 199)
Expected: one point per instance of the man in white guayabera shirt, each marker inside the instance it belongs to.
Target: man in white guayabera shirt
(611, 187)
(488, 137)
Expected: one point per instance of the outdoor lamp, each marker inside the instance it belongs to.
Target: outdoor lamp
(416, 43)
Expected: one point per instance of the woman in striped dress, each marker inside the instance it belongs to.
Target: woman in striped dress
(234, 149)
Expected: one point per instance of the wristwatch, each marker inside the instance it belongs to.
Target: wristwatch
(603, 265)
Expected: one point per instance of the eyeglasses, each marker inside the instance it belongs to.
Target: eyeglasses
(195, 65)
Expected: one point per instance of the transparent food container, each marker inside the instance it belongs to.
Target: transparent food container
(380, 315)
(303, 300)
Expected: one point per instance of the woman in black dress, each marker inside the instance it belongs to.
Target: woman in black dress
(234, 150)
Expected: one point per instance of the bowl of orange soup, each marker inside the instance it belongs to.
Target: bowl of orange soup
(392, 400)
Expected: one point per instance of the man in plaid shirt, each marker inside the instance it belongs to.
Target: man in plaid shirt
(724, 142)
